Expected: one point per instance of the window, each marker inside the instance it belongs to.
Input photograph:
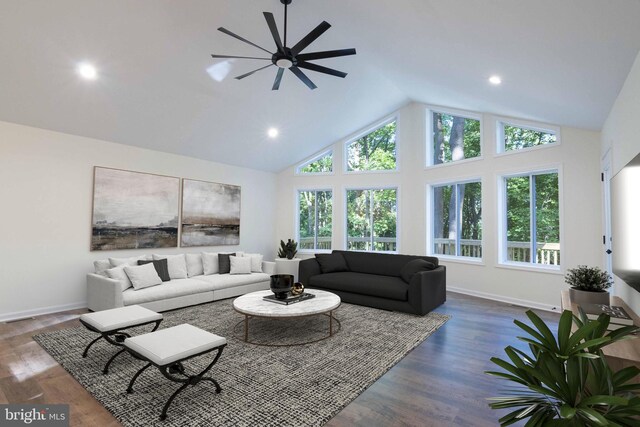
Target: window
(374, 151)
(371, 219)
(513, 138)
(453, 138)
(457, 219)
(532, 219)
(315, 219)
(320, 164)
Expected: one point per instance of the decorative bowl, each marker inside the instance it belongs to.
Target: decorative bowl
(281, 284)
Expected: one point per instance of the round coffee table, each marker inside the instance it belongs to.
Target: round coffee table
(253, 305)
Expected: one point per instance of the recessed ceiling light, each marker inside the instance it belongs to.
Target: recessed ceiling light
(87, 71)
(272, 132)
(495, 80)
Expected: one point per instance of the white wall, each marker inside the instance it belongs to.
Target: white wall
(578, 156)
(620, 136)
(45, 212)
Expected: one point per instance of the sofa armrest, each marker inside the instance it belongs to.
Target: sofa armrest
(103, 293)
(428, 289)
(269, 267)
(307, 268)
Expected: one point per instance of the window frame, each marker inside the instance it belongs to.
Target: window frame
(325, 153)
(296, 208)
(346, 216)
(429, 154)
(523, 124)
(431, 222)
(502, 261)
(369, 129)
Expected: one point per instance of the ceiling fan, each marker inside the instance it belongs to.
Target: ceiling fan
(291, 57)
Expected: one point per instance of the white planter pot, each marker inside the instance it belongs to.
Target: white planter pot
(288, 266)
(587, 297)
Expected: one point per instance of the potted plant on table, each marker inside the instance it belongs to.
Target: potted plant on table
(588, 285)
(566, 381)
(288, 250)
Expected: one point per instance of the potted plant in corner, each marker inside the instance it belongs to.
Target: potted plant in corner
(288, 250)
(566, 381)
(588, 285)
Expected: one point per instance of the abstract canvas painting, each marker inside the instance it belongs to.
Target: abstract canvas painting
(210, 213)
(133, 210)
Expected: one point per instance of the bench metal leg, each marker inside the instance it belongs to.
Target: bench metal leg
(135, 377)
(86, 350)
(105, 371)
(169, 372)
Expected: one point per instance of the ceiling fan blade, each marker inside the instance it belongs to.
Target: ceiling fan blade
(271, 22)
(276, 83)
(229, 33)
(251, 72)
(241, 57)
(326, 54)
(321, 69)
(302, 76)
(309, 38)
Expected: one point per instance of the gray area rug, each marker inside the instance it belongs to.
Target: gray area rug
(261, 386)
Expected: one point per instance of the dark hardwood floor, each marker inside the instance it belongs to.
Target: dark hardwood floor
(440, 383)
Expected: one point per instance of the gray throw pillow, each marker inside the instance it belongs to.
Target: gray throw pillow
(161, 268)
(224, 264)
(415, 266)
(332, 263)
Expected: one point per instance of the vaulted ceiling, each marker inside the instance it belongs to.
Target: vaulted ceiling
(562, 62)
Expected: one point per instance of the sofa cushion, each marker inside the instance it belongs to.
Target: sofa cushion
(171, 289)
(177, 265)
(194, 265)
(142, 276)
(239, 265)
(223, 281)
(363, 284)
(331, 263)
(101, 265)
(210, 263)
(379, 263)
(415, 266)
(256, 262)
(224, 264)
(161, 268)
(118, 273)
(130, 261)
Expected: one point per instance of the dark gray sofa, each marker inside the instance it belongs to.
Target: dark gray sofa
(374, 280)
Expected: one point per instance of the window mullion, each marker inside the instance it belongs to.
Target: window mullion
(533, 203)
(371, 219)
(458, 219)
(315, 216)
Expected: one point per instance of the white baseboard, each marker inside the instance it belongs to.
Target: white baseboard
(509, 300)
(16, 315)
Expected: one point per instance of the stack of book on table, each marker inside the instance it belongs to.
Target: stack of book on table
(619, 317)
(290, 299)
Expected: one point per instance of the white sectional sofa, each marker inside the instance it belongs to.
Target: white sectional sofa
(104, 292)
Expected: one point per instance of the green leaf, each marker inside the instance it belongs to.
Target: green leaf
(544, 329)
(593, 416)
(603, 400)
(567, 412)
(564, 330)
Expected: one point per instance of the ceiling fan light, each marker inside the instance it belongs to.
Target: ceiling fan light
(284, 63)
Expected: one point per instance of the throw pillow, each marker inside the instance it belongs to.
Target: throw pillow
(332, 263)
(415, 266)
(161, 268)
(177, 265)
(101, 265)
(143, 276)
(224, 265)
(118, 273)
(210, 263)
(129, 261)
(194, 265)
(239, 265)
(256, 262)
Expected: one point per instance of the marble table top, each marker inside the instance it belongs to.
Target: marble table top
(253, 305)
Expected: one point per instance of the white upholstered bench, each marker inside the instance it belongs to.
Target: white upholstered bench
(111, 324)
(166, 349)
